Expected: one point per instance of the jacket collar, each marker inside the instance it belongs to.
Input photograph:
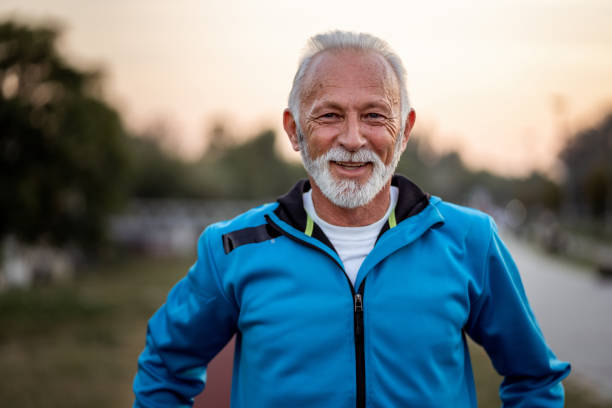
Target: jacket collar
(411, 201)
(291, 210)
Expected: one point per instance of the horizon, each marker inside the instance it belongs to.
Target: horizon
(502, 85)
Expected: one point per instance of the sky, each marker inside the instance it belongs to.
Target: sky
(502, 82)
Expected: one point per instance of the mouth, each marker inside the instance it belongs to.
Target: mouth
(350, 165)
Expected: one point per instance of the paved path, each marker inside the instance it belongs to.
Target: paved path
(574, 308)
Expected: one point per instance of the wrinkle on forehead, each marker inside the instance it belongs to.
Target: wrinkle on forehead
(326, 69)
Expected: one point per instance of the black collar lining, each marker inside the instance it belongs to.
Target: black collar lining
(291, 210)
(411, 201)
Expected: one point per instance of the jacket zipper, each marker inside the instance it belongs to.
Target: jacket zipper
(357, 318)
(359, 348)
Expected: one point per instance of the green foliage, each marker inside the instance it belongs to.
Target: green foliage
(62, 156)
(254, 170)
(250, 170)
(588, 160)
(446, 175)
(154, 173)
(34, 312)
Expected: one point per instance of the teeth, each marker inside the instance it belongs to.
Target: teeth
(350, 164)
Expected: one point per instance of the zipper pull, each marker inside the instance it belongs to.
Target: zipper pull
(358, 303)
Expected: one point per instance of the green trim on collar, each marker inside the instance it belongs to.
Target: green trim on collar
(392, 221)
(309, 225)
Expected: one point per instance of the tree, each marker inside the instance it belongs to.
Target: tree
(153, 173)
(588, 162)
(249, 170)
(62, 160)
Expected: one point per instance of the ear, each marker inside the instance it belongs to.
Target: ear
(291, 129)
(408, 128)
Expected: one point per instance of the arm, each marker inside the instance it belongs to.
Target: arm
(502, 322)
(194, 324)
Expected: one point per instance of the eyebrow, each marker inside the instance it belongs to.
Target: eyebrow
(327, 105)
(380, 105)
(366, 106)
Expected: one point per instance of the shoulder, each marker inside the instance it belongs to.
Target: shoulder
(253, 217)
(458, 213)
(465, 223)
(213, 235)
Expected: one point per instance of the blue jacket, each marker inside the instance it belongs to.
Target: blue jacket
(307, 338)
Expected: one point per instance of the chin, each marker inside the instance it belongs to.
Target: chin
(349, 193)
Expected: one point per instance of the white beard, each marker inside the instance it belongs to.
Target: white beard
(348, 193)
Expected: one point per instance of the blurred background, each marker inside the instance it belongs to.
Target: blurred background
(127, 127)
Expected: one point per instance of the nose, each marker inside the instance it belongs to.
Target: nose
(352, 137)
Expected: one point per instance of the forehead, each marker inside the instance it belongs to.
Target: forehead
(349, 70)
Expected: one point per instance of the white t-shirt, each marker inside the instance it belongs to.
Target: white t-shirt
(353, 244)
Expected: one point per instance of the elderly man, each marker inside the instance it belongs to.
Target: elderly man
(355, 289)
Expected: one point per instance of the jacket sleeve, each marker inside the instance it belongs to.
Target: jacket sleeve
(194, 324)
(502, 322)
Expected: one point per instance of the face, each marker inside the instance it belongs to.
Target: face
(350, 125)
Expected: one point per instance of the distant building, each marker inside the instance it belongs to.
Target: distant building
(151, 227)
(24, 264)
(169, 227)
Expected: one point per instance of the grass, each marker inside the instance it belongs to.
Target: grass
(488, 381)
(76, 345)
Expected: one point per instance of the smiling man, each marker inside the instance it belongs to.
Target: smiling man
(356, 288)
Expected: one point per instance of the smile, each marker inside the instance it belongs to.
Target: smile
(351, 164)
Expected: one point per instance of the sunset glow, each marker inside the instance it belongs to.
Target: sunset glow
(502, 83)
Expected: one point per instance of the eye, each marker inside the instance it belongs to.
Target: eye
(374, 116)
(329, 117)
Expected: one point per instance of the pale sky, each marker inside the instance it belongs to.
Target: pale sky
(483, 76)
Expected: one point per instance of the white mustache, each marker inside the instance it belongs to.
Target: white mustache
(340, 154)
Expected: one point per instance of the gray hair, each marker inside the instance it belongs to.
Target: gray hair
(345, 40)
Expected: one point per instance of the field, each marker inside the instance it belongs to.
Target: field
(76, 345)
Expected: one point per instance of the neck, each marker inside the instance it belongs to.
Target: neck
(351, 217)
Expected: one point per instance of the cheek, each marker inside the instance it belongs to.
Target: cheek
(392, 128)
(383, 142)
(320, 139)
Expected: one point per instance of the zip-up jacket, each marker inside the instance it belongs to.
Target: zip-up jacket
(305, 337)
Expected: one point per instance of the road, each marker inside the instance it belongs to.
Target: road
(574, 308)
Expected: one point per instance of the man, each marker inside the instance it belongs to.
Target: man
(355, 289)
